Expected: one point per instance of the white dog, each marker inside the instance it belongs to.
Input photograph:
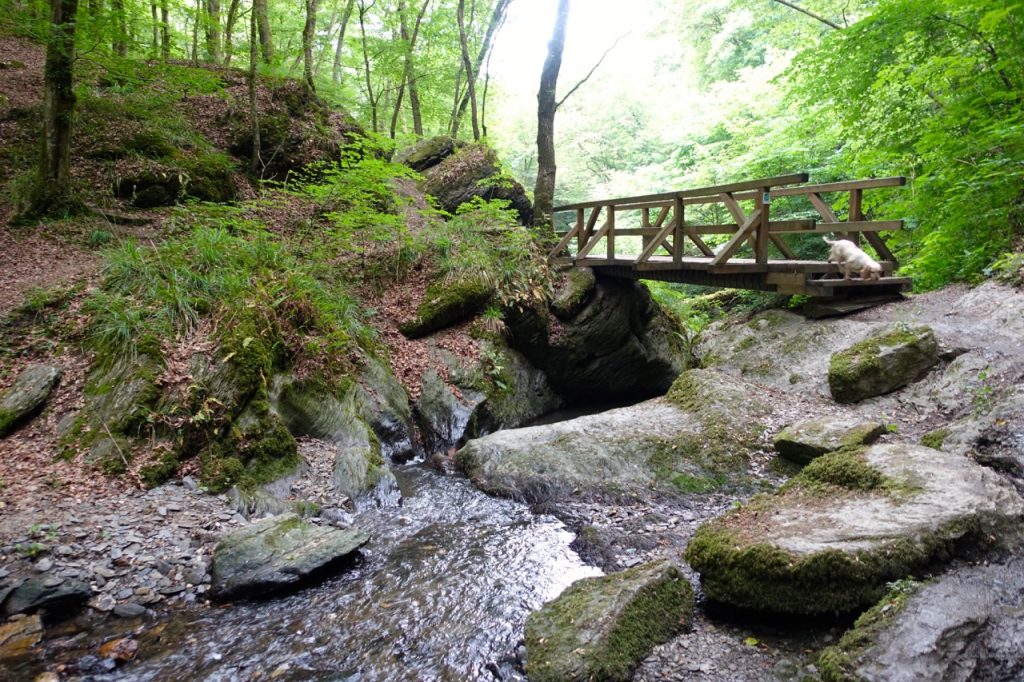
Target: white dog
(852, 259)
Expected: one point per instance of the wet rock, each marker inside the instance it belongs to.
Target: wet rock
(19, 636)
(443, 418)
(311, 410)
(618, 343)
(56, 601)
(805, 440)
(277, 553)
(850, 522)
(428, 152)
(120, 650)
(601, 628)
(129, 610)
(384, 405)
(882, 363)
(694, 440)
(26, 395)
(964, 625)
(474, 171)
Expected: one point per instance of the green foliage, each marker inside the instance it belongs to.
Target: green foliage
(484, 243)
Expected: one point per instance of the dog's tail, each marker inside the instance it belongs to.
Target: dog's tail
(827, 240)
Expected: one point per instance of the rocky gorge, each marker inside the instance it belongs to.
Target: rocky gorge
(934, 501)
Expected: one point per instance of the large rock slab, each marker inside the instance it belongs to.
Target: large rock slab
(26, 395)
(19, 636)
(473, 171)
(277, 553)
(600, 629)
(964, 625)
(849, 523)
(55, 597)
(803, 441)
(693, 440)
(428, 152)
(604, 339)
(883, 363)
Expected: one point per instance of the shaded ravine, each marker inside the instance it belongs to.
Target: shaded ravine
(442, 593)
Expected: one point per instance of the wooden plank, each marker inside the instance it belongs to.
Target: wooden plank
(762, 205)
(844, 186)
(582, 253)
(677, 238)
(856, 214)
(824, 210)
(734, 208)
(611, 232)
(859, 226)
(879, 246)
(782, 246)
(701, 244)
(790, 179)
(591, 222)
(649, 250)
(660, 220)
(564, 243)
(741, 236)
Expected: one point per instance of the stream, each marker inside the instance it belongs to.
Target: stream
(442, 593)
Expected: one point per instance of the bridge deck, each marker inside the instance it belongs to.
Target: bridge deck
(664, 234)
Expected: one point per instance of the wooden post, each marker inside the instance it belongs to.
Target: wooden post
(677, 237)
(580, 231)
(762, 203)
(611, 231)
(856, 213)
(645, 223)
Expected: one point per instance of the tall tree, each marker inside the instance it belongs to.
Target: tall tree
(229, 30)
(345, 16)
(371, 96)
(254, 161)
(52, 191)
(467, 66)
(165, 24)
(497, 20)
(212, 26)
(408, 78)
(120, 42)
(308, 35)
(544, 190)
(262, 13)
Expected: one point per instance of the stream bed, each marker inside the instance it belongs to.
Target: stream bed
(442, 593)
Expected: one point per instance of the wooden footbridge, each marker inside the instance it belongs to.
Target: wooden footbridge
(656, 237)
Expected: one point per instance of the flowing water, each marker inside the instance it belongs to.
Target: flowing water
(442, 593)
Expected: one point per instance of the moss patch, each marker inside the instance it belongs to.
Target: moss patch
(601, 628)
(935, 439)
(860, 371)
(445, 303)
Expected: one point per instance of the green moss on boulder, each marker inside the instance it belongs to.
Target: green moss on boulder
(849, 523)
(803, 441)
(27, 395)
(600, 629)
(446, 303)
(576, 286)
(882, 363)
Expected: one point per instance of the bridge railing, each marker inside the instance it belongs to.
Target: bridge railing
(664, 229)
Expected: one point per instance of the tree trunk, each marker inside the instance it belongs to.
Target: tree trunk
(336, 71)
(366, 64)
(52, 191)
(155, 45)
(229, 29)
(120, 43)
(254, 160)
(544, 190)
(213, 31)
(468, 67)
(308, 34)
(263, 22)
(195, 31)
(165, 38)
(407, 74)
(497, 19)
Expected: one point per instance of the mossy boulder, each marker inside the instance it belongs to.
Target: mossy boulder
(964, 624)
(278, 553)
(599, 629)
(474, 171)
(850, 522)
(384, 405)
(574, 290)
(445, 303)
(27, 395)
(428, 152)
(882, 363)
(693, 446)
(618, 343)
(316, 410)
(803, 441)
